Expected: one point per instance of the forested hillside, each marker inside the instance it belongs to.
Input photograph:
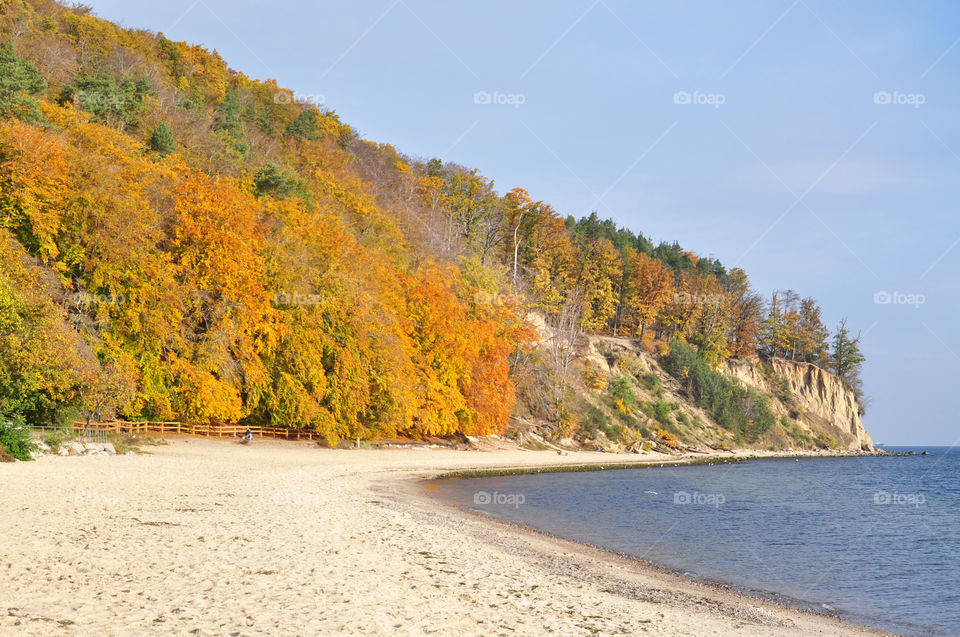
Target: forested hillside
(180, 241)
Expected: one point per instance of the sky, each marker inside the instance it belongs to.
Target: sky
(814, 144)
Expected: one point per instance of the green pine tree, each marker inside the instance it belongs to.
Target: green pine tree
(305, 126)
(18, 80)
(162, 140)
(846, 358)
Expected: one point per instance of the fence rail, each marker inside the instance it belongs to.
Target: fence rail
(188, 429)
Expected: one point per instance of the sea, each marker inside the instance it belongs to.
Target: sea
(875, 540)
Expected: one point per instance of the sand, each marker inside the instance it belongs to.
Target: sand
(210, 537)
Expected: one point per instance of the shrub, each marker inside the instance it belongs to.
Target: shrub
(15, 439)
(825, 441)
(596, 420)
(621, 390)
(667, 438)
(783, 386)
(661, 413)
(593, 418)
(631, 363)
(731, 405)
(594, 378)
(56, 437)
(613, 431)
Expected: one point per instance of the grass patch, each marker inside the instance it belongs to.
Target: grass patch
(662, 414)
(596, 420)
(651, 382)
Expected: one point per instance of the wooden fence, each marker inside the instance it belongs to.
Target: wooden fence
(188, 429)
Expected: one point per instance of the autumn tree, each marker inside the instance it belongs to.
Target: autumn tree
(597, 279)
(812, 334)
(649, 288)
(44, 363)
(746, 315)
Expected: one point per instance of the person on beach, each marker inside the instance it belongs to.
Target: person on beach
(247, 435)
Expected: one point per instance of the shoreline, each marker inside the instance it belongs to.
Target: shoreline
(613, 568)
(727, 594)
(643, 462)
(212, 537)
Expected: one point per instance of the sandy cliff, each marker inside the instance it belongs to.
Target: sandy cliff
(813, 408)
(820, 400)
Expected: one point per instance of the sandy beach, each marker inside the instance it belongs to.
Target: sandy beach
(209, 537)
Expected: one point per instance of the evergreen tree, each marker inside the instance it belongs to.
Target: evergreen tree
(113, 103)
(305, 126)
(274, 180)
(229, 122)
(846, 358)
(774, 338)
(162, 140)
(228, 115)
(19, 76)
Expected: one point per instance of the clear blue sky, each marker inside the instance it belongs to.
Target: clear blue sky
(803, 175)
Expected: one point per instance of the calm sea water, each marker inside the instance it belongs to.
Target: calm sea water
(876, 540)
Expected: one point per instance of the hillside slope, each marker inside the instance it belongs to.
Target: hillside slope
(180, 241)
(631, 402)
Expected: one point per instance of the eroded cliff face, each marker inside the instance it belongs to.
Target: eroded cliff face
(818, 400)
(813, 409)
